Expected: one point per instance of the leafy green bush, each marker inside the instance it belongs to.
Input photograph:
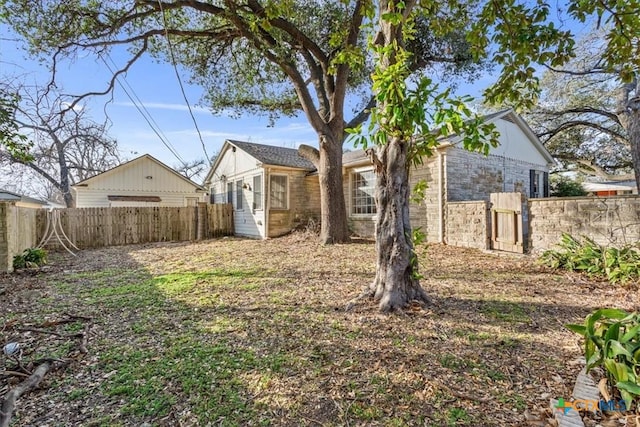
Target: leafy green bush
(30, 258)
(563, 186)
(612, 340)
(615, 264)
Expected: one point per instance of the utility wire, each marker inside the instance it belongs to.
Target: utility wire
(166, 143)
(175, 68)
(141, 104)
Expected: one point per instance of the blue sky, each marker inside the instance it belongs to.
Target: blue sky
(156, 85)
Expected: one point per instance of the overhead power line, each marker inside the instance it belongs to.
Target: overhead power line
(175, 68)
(135, 100)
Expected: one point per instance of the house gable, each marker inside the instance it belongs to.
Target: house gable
(145, 174)
(517, 140)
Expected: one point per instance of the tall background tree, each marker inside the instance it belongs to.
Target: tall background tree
(587, 111)
(68, 146)
(256, 56)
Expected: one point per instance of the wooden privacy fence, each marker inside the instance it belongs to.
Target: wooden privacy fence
(101, 227)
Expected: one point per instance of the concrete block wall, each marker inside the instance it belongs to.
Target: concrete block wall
(468, 224)
(426, 214)
(607, 220)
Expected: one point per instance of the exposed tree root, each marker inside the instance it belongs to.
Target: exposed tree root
(366, 294)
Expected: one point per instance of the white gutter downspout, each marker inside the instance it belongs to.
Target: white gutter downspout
(267, 202)
(441, 188)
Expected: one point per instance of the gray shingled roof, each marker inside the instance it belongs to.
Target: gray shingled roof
(6, 195)
(276, 156)
(355, 156)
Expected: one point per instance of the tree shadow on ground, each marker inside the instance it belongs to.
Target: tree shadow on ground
(234, 332)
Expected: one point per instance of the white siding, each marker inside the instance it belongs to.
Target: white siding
(234, 163)
(515, 144)
(233, 166)
(247, 221)
(89, 198)
(141, 177)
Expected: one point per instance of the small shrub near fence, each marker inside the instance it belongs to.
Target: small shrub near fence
(615, 264)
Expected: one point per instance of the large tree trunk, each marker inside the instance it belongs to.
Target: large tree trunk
(65, 183)
(396, 283)
(629, 115)
(333, 211)
(633, 130)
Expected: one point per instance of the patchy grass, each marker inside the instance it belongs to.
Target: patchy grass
(240, 332)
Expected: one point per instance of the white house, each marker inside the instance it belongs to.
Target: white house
(271, 188)
(610, 188)
(143, 181)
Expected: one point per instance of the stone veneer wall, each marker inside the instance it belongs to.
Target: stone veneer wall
(472, 176)
(423, 215)
(468, 224)
(607, 220)
(17, 232)
(304, 204)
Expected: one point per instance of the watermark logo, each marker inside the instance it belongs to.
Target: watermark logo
(586, 405)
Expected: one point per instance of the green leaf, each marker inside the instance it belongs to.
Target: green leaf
(617, 349)
(619, 371)
(579, 329)
(630, 334)
(629, 386)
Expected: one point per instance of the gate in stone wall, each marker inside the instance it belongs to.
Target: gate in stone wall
(507, 222)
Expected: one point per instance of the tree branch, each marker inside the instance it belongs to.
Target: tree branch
(580, 123)
(310, 153)
(584, 110)
(363, 115)
(591, 168)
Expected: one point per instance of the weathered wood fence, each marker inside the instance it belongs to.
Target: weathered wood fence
(100, 227)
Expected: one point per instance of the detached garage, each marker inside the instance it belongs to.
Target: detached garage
(142, 182)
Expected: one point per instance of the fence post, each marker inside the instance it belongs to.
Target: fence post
(202, 231)
(6, 264)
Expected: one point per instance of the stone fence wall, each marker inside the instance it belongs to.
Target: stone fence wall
(611, 220)
(467, 224)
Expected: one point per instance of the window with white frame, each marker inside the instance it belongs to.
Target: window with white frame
(279, 192)
(257, 192)
(363, 185)
(239, 184)
(230, 192)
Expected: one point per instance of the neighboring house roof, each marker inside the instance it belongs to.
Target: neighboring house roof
(87, 181)
(9, 196)
(609, 186)
(354, 157)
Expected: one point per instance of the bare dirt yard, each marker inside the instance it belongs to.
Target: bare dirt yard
(244, 332)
